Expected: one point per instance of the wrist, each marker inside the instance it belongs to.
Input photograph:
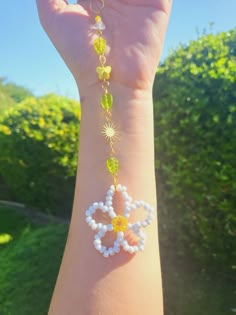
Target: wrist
(125, 100)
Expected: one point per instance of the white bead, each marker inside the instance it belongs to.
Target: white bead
(135, 249)
(125, 195)
(97, 242)
(116, 249)
(112, 214)
(124, 242)
(131, 249)
(144, 223)
(149, 221)
(95, 205)
(138, 204)
(119, 187)
(109, 198)
(120, 235)
(94, 226)
(141, 247)
(109, 227)
(103, 229)
(104, 208)
(100, 204)
(141, 242)
(99, 226)
(110, 193)
(127, 214)
(101, 233)
(98, 247)
(109, 203)
(89, 219)
(102, 250)
(142, 203)
(117, 243)
(126, 247)
(127, 204)
(92, 222)
(97, 237)
(142, 235)
(128, 200)
(134, 228)
(124, 188)
(112, 187)
(111, 251)
(106, 253)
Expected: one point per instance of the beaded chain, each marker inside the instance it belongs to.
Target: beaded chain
(119, 223)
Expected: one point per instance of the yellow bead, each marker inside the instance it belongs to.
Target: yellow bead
(113, 165)
(107, 101)
(103, 72)
(99, 45)
(98, 18)
(119, 223)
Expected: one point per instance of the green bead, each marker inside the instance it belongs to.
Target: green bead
(107, 101)
(113, 165)
(99, 45)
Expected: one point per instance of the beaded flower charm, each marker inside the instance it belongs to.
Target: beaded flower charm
(118, 223)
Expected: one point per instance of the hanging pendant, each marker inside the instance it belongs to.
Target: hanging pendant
(119, 224)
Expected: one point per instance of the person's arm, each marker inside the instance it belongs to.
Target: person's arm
(123, 284)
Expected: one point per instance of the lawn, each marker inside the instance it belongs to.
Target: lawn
(29, 265)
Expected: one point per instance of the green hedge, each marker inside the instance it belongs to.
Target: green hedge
(195, 125)
(38, 145)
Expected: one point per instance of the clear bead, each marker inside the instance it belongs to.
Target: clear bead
(98, 26)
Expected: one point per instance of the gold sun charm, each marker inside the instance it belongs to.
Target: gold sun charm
(109, 131)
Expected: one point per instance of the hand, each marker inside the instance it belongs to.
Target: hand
(135, 31)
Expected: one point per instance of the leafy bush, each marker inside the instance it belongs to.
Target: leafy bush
(5, 99)
(195, 119)
(10, 94)
(14, 91)
(38, 145)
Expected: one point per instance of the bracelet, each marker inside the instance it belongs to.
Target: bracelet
(119, 224)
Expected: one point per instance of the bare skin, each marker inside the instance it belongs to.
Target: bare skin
(87, 283)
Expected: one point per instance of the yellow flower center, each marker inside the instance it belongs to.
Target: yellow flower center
(119, 223)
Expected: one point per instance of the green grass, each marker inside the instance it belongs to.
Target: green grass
(30, 262)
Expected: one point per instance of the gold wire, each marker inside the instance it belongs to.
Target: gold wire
(99, 33)
(102, 59)
(105, 85)
(108, 116)
(115, 181)
(112, 150)
(99, 9)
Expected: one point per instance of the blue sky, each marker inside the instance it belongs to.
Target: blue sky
(28, 58)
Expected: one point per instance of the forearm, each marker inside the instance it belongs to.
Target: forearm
(123, 284)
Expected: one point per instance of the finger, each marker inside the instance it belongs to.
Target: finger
(48, 8)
